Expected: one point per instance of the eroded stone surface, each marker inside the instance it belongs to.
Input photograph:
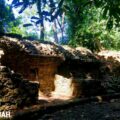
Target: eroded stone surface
(15, 92)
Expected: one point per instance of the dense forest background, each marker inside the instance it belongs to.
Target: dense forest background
(94, 24)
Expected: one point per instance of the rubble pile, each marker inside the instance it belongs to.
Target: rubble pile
(15, 92)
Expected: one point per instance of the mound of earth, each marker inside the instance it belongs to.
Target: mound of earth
(112, 61)
(110, 55)
(44, 49)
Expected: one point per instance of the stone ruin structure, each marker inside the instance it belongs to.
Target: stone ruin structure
(15, 92)
(60, 70)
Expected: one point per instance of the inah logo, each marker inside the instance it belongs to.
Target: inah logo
(5, 114)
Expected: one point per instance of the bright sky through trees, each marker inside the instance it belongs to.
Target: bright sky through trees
(26, 18)
(89, 23)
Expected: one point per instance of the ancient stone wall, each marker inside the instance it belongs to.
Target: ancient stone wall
(24, 58)
(76, 78)
(43, 61)
(45, 68)
(16, 92)
(34, 68)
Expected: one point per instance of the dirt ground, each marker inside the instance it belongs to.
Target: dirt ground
(90, 111)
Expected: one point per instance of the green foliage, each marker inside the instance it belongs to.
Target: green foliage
(87, 20)
(31, 36)
(14, 27)
(90, 31)
(111, 11)
(8, 23)
(5, 16)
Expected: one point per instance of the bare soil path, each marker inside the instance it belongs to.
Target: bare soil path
(89, 111)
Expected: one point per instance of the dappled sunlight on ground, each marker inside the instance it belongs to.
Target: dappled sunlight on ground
(63, 89)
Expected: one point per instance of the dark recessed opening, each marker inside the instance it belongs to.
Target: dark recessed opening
(34, 71)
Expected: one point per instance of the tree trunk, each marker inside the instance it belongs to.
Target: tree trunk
(55, 31)
(39, 7)
(62, 27)
(42, 31)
